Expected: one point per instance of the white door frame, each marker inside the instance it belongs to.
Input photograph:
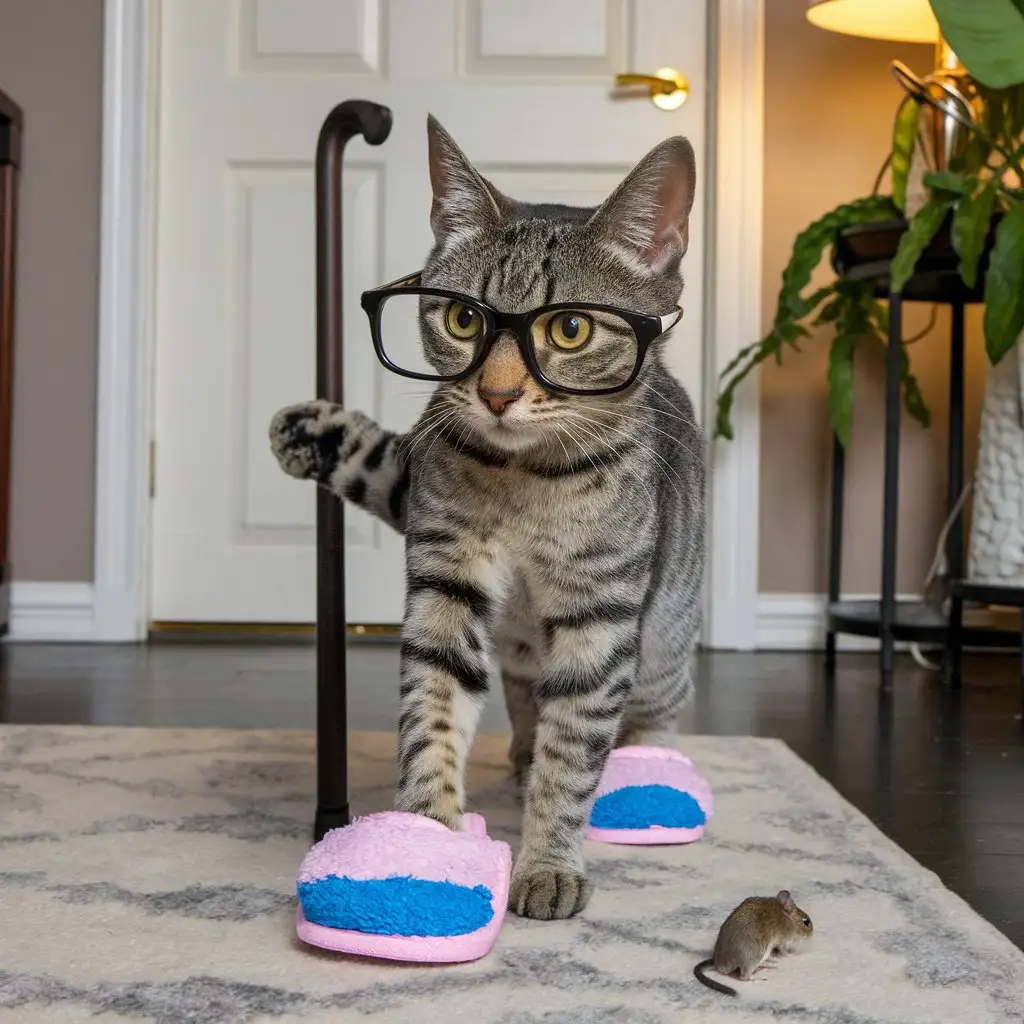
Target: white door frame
(124, 384)
(127, 257)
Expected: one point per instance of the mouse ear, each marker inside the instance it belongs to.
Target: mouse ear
(785, 899)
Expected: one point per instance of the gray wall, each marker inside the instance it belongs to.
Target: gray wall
(830, 101)
(51, 56)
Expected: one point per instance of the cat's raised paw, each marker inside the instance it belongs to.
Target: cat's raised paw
(305, 438)
(548, 894)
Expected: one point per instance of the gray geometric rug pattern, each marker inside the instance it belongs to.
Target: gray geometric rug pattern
(149, 875)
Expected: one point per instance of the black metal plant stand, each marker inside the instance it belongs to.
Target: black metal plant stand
(864, 253)
(344, 122)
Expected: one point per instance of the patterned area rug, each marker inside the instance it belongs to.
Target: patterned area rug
(148, 875)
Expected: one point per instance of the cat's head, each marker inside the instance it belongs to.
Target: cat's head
(516, 257)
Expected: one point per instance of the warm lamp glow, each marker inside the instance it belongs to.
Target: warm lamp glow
(909, 21)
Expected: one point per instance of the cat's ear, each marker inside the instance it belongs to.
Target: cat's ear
(648, 215)
(463, 200)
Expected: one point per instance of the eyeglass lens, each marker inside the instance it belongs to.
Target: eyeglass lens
(583, 349)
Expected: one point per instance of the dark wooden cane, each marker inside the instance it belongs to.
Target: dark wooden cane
(344, 122)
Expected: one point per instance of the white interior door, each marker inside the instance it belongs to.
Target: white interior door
(525, 88)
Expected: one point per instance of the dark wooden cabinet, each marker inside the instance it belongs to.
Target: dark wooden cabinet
(10, 162)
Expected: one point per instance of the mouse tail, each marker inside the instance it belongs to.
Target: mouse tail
(698, 973)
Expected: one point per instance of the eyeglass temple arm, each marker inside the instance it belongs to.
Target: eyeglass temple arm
(671, 319)
(405, 282)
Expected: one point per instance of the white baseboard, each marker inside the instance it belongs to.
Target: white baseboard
(51, 612)
(796, 622)
(62, 612)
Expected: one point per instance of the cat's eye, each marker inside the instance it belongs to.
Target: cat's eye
(569, 331)
(463, 322)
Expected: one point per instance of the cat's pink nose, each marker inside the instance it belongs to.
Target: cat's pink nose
(499, 401)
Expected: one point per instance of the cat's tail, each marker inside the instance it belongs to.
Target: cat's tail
(347, 453)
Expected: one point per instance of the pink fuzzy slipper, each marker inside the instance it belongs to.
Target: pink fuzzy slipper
(649, 796)
(403, 887)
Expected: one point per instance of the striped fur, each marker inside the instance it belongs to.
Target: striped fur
(564, 537)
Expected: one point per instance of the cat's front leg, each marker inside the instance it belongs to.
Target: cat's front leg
(516, 645)
(346, 452)
(590, 664)
(455, 586)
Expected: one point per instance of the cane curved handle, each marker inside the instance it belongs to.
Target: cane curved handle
(357, 117)
(347, 120)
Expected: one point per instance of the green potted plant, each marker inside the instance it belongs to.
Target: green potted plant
(977, 200)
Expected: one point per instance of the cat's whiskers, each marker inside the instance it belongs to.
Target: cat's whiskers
(577, 404)
(467, 428)
(418, 393)
(408, 442)
(629, 469)
(641, 483)
(572, 437)
(650, 426)
(557, 435)
(558, 438)
(687, 420)
(641, 383)
(436, 425)
(640, 444)
(454, 415)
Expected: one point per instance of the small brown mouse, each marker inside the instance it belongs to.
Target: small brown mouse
(757, 928)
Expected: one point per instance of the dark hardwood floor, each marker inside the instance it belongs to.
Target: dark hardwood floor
(941, 773)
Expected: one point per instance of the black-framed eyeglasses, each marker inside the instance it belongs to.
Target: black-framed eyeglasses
(579, 348)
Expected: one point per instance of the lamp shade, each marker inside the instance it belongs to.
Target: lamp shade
(909, 21)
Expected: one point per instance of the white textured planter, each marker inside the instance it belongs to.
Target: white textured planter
(997, 526)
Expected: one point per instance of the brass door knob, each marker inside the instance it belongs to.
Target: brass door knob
(667, 88)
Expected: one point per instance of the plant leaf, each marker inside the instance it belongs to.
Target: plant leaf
(920, 231)
(758, 353)
(829, 312)
(1004, 286)
(880, 311)
(987, 36)
(904, 135)
(948, 181)
(974, 157)
(853, 324)
(913, 400)
(738, 358)
(840, 384)
(811, 302)
(788, 333)
(793, 306)
(810, 245)
(970, 229)
(1000, 115)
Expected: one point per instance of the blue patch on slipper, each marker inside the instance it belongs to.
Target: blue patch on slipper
(646, 806)
(396, 906)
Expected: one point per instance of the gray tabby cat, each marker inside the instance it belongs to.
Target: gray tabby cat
(564, 534)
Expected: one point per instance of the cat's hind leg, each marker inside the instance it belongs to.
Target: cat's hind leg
(664, 686)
